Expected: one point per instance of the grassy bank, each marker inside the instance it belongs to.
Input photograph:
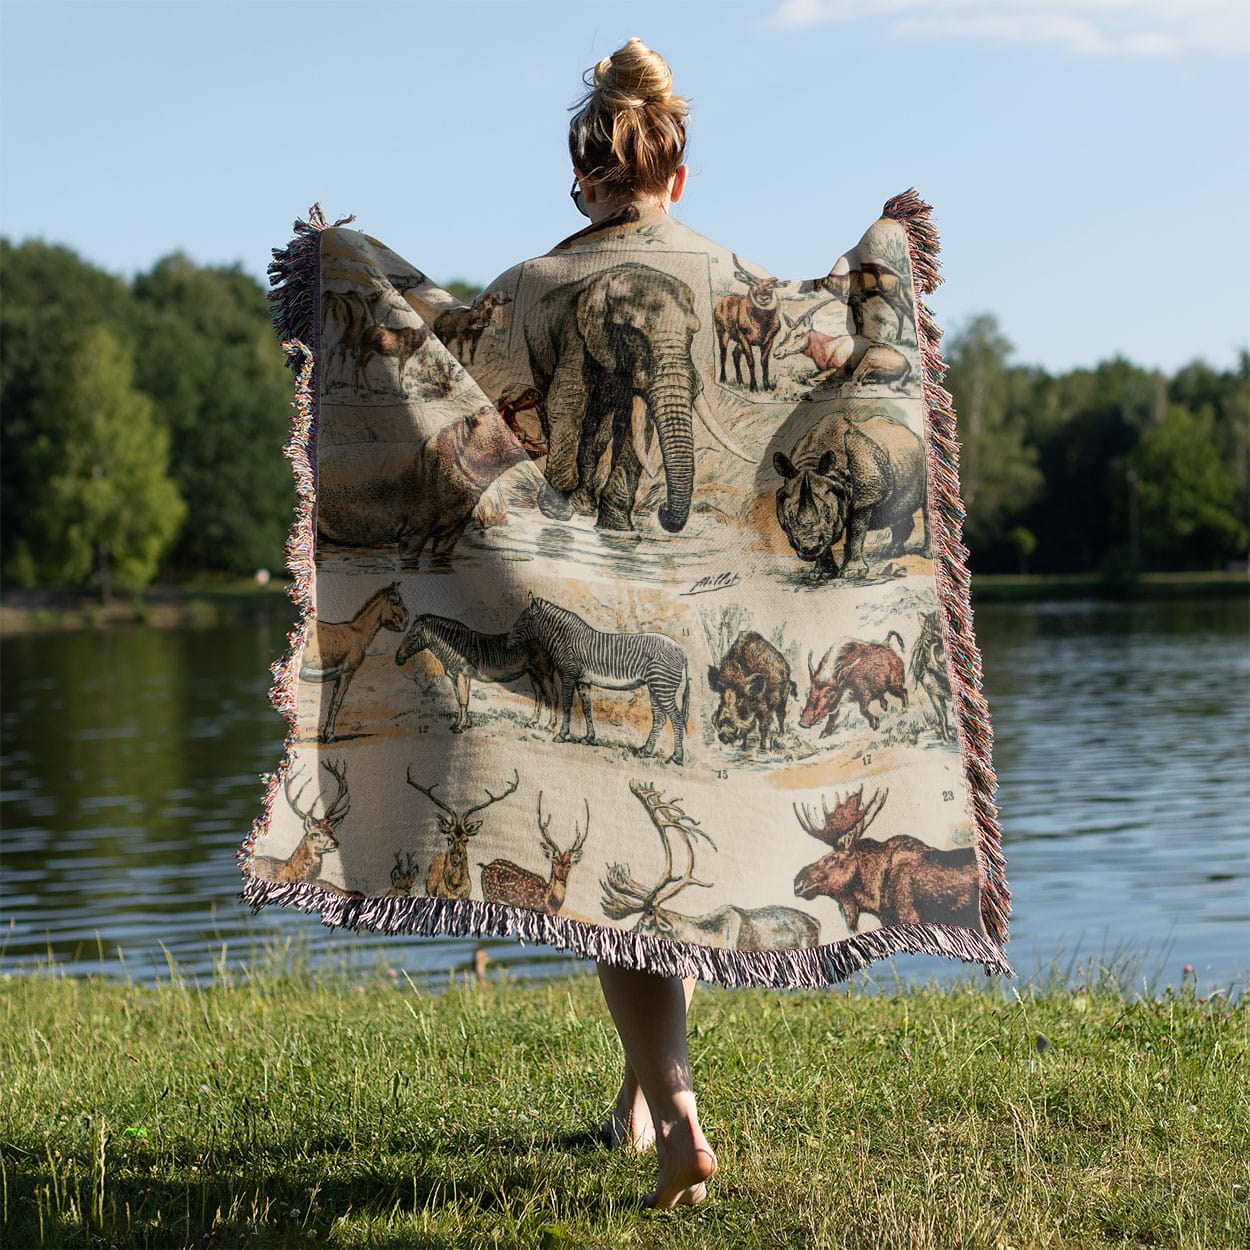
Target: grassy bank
(290, 1111)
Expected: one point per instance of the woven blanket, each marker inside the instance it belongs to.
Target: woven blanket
(634, 615)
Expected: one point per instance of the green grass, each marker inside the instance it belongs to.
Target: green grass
(291, 1109)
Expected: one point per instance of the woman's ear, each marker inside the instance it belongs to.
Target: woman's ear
(679, 182)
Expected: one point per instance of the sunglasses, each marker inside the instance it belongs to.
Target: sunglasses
(576, 196)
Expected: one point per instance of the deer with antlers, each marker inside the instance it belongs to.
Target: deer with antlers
(734, 928)
(320, 836)
(900, 881)
(448, 876)
(403, 875)
(506, 882)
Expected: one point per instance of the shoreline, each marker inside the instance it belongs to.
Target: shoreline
(192, 605)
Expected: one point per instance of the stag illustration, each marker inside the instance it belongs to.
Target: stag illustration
(448, 876)
(320, 837)
(734, 928)
(336, 649)
(900, 881)
(506, 882)
(403, 875)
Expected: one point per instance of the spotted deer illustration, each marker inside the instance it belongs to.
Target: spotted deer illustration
(506, 882)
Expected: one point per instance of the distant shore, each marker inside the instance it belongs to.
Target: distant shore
(203, 604)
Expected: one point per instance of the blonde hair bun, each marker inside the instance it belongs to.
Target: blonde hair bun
(629, 132)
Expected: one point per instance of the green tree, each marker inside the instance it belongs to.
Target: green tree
(105, 505)
(997, 467)
(51, 298)
(208, 357)
(1186, 495)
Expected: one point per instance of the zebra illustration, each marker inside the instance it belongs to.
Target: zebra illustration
(584, 656)
(466, 653)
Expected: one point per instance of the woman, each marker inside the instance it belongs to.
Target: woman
(627, 141)
(641, 476)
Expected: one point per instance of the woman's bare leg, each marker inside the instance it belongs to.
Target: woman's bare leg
(629, 1124)
(650, 1015)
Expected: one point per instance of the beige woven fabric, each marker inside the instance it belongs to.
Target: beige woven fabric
(636, 620)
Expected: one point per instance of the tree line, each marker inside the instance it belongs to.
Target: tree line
(143, 421)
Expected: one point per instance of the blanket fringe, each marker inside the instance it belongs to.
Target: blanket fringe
(976, 736)
(801, 968)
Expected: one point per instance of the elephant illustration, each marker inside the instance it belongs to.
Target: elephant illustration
(846, 477)
(611, 355)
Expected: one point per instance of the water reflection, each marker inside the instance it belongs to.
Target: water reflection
(131, 762)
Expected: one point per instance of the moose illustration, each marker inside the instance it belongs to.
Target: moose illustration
(506, 882)
(734, 928)
(900, 881)
(448, 876)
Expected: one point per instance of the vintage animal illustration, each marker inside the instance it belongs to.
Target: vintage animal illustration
(747, 323)
(466, 653)
(398, 345)
(846, 357)
(320, 830)
(411, 495)
(403, 875)
(448, 876)
(336, 649)
(873, 280)
(900, 881)
(349, 312)
(584, 656)
(868, 671)
(928, 670)
(510, 405)
(847, 477)
(736, 928)
(506, 882)
(753, 682)
(459, 329)
(611, 355)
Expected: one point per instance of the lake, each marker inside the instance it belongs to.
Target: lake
(131, 761)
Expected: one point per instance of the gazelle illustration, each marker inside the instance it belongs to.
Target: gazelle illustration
(734, 928)
(320, 837)
(506, 882)
(336, 649)
(448, 876)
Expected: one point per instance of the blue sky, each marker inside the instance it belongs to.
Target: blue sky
(1089, 160)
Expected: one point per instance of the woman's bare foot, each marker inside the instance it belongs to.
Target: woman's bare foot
(629, 1126)
(686, 1165)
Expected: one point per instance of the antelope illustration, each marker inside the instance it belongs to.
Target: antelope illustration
(506, 882)
(448, 876)
(336, 649)
(928, 670)
(320, 838)
(734, 928)
(748, 322)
